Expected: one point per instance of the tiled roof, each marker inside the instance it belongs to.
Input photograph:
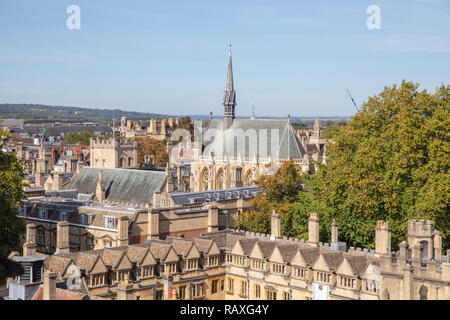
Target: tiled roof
(181, 246)
(203, 245)
(247, 245)
(333, 258)
(288, 251)
(267, 248)
(357, 262)
(310, 254)
(57, 263)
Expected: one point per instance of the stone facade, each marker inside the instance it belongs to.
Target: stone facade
(113, 153)
(243, 265)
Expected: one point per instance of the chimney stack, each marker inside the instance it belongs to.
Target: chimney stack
(382, 238)
(49, 289)
(152, 225)
(334, 231)
(30, 246)
(313, 229)
(275, 225)
(62, 237)
(123, 230)
(39, 178)
(100, 191)
(125, 291)
(213, 218)
(57, 181)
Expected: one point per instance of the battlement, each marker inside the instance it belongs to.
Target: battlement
(382, 224)
(420, 228)
(112, 143)
(313, 215)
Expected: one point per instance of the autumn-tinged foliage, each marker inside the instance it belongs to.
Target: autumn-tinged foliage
(150, 146)
(280, 191)
(391, 162)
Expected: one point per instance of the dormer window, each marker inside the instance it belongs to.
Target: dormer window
(43, 213)
(110, 222)
(86, 218)
(63, 216)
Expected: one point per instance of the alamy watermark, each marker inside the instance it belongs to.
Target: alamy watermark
(73, 22)
(374, 20)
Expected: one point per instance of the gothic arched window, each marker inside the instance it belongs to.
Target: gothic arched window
(423, 293)
(220, 180)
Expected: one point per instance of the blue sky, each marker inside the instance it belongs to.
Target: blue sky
(170, 57)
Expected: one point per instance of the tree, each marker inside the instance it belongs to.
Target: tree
(391, 163)
(280, 192)
(294, 196)
(151, 147)
(11, 195)
(75, 137)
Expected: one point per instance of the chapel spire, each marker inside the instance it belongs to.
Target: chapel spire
(229, 98)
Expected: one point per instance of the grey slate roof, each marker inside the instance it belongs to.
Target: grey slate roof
(182, 198)
(121, 184)
(288, 144)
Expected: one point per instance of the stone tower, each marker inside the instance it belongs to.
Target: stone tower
(229, 98)
(429, 239)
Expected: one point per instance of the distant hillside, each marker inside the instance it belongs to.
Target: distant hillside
(39, 111)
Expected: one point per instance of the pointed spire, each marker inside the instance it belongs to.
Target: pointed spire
(230, 84)
(316, 123)
(229, 98)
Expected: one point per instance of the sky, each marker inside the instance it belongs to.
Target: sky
(289, 57)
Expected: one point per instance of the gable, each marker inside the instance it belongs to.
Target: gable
(276, 256)
(321, 264)
(237, 249)
(214, 249)
(193, 252)
(299, 260)
(345, 269)
(68, 267)
(171, 256)
(256, 253)
(124, 263)
(371, 272)
(98, 267)
(148, 260)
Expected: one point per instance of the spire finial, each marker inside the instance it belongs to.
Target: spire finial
(229, 99)
(253, 110)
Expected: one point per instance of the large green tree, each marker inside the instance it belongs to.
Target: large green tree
(11, 195)
(391, 162)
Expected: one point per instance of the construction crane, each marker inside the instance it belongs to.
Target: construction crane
(354, 103)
